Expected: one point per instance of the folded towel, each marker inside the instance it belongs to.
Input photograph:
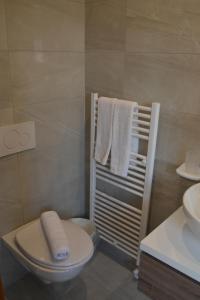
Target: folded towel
(104, 129)
(55, 235)
(122, 140)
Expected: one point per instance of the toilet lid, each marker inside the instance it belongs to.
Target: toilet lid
(32, 242)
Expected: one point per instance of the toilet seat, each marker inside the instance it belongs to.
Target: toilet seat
(32, 243)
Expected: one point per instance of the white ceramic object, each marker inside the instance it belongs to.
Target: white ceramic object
(17, 137)
(173, 243)
(191, 208)
(89, 227)
(30, 248)
(181, 171)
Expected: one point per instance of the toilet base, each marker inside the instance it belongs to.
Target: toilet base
(49, 276)
(56, 277)
(44, 273)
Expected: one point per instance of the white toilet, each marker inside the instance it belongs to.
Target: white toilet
(29, 246)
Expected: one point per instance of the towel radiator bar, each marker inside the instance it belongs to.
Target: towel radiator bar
(119, 223)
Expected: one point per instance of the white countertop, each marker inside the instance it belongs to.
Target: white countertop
(174, 244)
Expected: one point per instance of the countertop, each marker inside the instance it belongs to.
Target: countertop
(173, 243)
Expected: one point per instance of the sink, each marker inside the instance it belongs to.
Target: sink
(191, 208)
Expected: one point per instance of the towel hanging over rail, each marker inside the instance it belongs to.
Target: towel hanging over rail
(114, 126)
(106, 108)
(119, 223)
(121, 138)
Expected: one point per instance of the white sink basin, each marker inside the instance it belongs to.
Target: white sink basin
(191, 208)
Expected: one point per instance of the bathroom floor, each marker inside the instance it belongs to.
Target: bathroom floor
(103, 278)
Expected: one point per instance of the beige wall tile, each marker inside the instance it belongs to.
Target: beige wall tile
(79, 1)
(64, 114)
(167, 182)
(49, 135)
(47, 171)
(48, 177)
(167, 193)
(104, 72)
(6, 116)
(114, 3)
(161, 208)
(105, 25)
(11, 216)
(178, 133)
(3, 37)
(4, 80)
(34, 208)
(172, 80)
(45, 86)
(57, 160)
(45, 76)
(9, 178)
(165, 68)
(44, 175)
(45, 25)
(163, 26)
(69, 202)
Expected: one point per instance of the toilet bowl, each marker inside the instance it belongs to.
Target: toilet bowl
(29, 246)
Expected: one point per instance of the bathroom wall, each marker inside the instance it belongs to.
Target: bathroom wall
(148, 51)
(42, 63)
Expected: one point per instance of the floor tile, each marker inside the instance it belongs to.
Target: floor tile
(102, 279)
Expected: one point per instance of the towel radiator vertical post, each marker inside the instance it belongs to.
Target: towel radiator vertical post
(119, 223)
(94, 99)
(149, 170)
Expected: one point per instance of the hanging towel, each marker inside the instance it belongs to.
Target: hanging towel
(104, 129)
(122, 139)
(55, 235)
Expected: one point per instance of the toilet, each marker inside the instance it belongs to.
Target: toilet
(29, 246)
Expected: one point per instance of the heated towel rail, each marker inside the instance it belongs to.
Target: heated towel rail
(120, 223)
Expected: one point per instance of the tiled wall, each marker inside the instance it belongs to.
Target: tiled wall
(42, 79)
(149, 51)
(137, 49)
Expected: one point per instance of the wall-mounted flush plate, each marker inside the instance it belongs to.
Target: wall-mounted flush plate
(17, 137)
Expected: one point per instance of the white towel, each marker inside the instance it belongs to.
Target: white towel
(55, 235)
(122, 140)
(104, 129)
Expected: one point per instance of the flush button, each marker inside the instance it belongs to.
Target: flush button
(11, 139)
(17, 137)
(24, 139)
